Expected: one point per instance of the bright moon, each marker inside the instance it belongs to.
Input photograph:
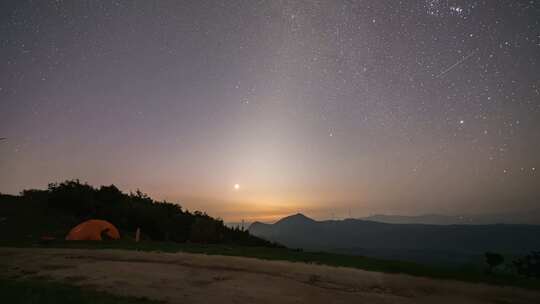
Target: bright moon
(236, 186)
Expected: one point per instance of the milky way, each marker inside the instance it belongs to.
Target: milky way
(315, 106)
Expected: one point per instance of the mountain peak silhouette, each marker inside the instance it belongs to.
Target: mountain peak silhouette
(296, 219)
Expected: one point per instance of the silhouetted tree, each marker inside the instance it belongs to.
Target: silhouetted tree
(529, 265)
(157, 220)
(493, 260)
(73, 197)
(35, 195)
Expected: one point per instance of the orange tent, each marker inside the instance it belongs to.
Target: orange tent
(93, 230)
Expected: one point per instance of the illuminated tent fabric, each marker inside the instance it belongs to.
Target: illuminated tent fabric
(93, 230)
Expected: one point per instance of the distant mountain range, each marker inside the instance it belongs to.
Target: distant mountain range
(418, 242)
(531, 218)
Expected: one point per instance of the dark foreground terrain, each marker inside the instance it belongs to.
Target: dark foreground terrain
(196, 278)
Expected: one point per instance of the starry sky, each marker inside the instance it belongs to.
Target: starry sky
(258, 109)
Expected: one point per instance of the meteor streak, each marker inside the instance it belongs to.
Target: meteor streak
(455, 64)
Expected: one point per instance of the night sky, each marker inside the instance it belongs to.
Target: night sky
(259, 109)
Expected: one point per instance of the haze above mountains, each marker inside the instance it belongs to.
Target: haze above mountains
(530, 218)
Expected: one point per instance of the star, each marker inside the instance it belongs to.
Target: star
(267, 87)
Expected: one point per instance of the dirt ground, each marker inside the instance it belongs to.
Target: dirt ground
(194, 278)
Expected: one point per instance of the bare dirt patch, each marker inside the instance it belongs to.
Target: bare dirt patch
(193, 278)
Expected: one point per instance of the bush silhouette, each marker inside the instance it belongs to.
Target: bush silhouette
(529, 265)
(493, 260)
(160, 221)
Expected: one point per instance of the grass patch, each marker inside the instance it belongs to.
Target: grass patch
(44, 292)
(468, 274)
